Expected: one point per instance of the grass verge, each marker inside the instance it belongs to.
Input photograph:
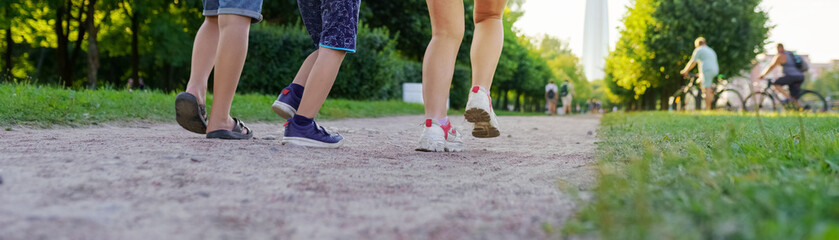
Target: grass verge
(44, 106)
(707, 176)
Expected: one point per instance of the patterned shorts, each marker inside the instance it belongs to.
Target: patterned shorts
(331, 23)
(247, 8)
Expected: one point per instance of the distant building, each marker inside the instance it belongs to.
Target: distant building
(817, 69)
(596, 39)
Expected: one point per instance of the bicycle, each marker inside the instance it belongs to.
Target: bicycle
(691, 94)
(767, 99)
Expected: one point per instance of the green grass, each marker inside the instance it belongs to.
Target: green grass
(44, 106)
(714, 176)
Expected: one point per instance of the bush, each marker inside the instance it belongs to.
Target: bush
(461, 83)
(375, 72)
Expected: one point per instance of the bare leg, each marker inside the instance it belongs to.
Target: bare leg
(203, 58)
(488, 41)
(232, 51)
(324, 70)
(305, 69)
(780, 89)
(447, 27)
(709, 98)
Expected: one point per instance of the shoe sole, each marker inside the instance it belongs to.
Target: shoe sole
(283, 110)
(188, 115)
(430, 146)
(483, 127)
(305, 142)
(445, 149)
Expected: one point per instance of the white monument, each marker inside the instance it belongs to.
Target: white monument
(596, 39)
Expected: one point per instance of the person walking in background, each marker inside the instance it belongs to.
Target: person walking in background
(141, 85)
(130, 85)
(221, 45)
(706, 58)
(566, 92)
(447, 29)
(333, 27)
(551, 97)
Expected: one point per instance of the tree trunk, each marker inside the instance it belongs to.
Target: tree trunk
(504, 106)
(7, 56)
(135, 51)
(92, 48)
(518, 101)
(64, 69)
(664, 98)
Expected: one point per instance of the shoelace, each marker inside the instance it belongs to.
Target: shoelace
(322, 130)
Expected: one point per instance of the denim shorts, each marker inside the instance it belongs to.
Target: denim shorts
(331, 23)
(247, 8)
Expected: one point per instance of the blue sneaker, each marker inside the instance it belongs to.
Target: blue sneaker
(287, 103)
(312, 135)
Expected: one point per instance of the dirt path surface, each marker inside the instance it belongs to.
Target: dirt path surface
(157, 181)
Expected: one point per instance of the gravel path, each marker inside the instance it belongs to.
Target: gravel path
(156, 181)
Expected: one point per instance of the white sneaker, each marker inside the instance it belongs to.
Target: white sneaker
(479, 111)
(437, 138)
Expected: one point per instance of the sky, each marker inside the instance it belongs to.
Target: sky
(805, 26)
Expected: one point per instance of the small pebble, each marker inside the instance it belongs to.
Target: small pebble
(590, 133)
(195, 160)
(269, 137)
(204, 194)
(1, 180)
(509, 136)
(274, 149)
(578, 142)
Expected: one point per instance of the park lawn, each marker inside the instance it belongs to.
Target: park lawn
(714, 176)
(44, 106)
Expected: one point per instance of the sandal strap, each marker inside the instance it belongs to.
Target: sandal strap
(202, 109)
(239, 126)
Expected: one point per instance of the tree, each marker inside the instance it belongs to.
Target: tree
(66, 24)
(827, 83)
(92, 48)
(657, 41)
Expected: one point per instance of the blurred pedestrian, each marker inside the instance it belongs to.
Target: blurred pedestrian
(551, 97)
(566, 92)
(141, 85)
(130, 84)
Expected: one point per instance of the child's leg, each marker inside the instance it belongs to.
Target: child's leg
(203, 58)
(488, 41)
(230, 58)
(303, 74)
(327, 62)
(447, 27)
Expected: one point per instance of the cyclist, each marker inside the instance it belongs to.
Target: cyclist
(706, 58)
(793, 77)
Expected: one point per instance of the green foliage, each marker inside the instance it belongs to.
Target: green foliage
(828, 82)
(389, 50)
(374, 72)
(657, 42)
(45, 106)
(681, 176)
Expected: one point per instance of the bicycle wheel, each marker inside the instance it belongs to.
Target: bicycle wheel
(728, 100)
(810, 101)
(691, 101)
(759, 101)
